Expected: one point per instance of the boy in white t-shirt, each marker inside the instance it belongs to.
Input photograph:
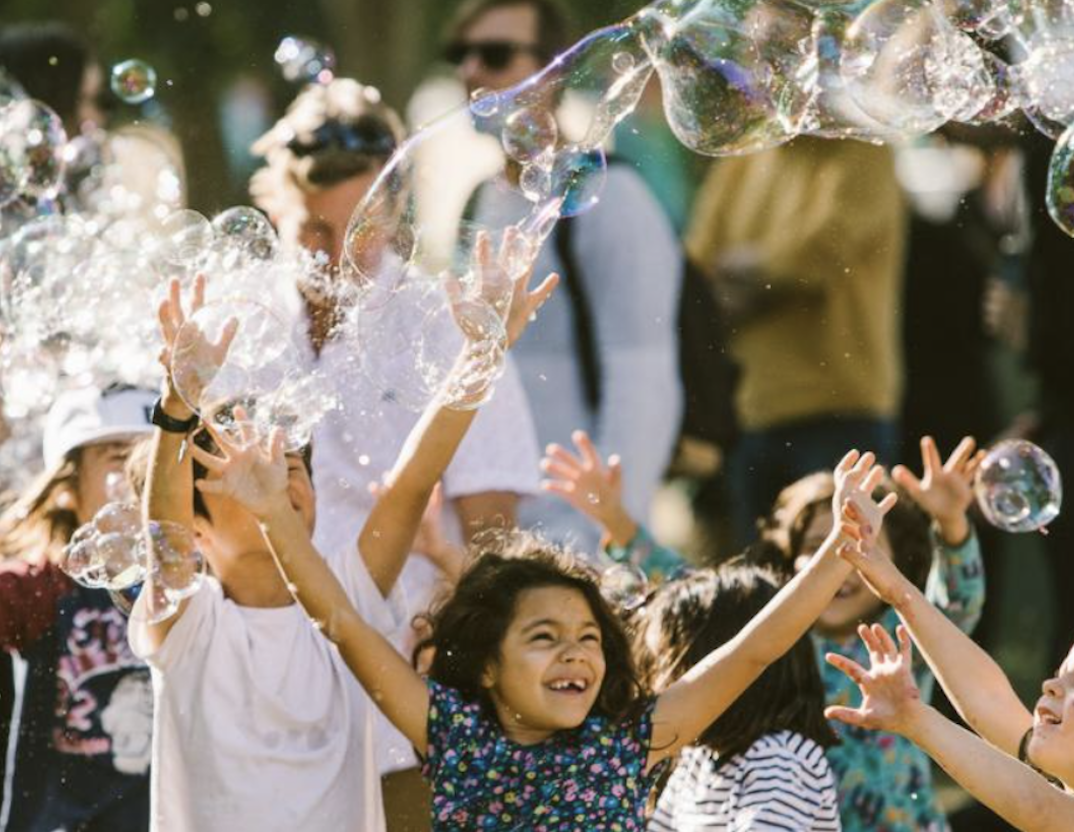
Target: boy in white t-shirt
(258, 725)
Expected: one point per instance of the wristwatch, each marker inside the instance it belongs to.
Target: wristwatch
(169, 424)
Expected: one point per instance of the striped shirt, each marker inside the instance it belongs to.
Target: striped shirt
(783, 783)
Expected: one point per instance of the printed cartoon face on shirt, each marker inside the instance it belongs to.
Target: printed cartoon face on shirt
(550, 667)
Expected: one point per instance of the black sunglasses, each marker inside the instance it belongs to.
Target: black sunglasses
(367, 136)
(494, 54)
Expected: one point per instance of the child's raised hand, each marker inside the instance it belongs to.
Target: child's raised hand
(190, 360)
(945, 492)
(890, 697)
(502, 281)
(252, 471)
(586, 483)
(856, 478)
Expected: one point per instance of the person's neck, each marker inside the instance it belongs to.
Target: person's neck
(252, 580)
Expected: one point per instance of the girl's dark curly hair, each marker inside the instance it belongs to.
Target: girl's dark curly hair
(906, 525)
(467, 627)
(689, 618)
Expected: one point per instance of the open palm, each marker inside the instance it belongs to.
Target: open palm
(251, 471)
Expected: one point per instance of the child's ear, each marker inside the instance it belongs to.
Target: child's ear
(488, 677)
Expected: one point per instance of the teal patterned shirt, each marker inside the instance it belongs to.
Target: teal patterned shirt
(885, 781)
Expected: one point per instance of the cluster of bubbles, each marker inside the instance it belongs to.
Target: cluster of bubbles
(303, 60)
(116, 551)
(1018, 487)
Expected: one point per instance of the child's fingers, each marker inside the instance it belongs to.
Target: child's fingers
(585, 445)
(223, 344)
(871, 644)
(276, 444)
(210, 461)
(873, 479)
(167, 322)
(557, 469)
(615, 471)
(961, 455)
(906, 644)
(845, 715)
(566, 490)
(851, 668)
(847, 462)
(199, 293)
(211, 486)
(536, 299)
(851, 529)
(562, 456)
(930, 456)
(864, 464)
(888, 503)
(884, 639)
(908, 480)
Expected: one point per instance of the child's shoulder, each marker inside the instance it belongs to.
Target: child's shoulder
(789, 749)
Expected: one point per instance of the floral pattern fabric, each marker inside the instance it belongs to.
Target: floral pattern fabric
(885, 781)
(592, 777)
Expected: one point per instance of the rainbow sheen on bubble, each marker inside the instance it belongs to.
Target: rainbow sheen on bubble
(134, 81)
(1018, 487)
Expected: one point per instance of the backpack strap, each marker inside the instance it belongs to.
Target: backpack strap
(585, 340)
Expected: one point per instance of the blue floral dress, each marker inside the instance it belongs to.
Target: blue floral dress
(591, 778)
(885, 781)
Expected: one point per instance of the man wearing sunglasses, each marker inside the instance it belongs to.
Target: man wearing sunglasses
(603, 356)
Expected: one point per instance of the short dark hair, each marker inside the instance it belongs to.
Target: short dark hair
(49, 60)
(467, 627)
(688, 618)
(555, 26)
(907, 526)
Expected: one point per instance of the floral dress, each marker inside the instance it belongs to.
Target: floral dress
(885, 781)
(591, 778)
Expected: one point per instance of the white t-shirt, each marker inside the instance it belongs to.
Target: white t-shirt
(782, 783)
(258, 724)
(358, 443)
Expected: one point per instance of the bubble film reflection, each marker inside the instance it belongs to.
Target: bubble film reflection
(624, 585)
(1018, 487)
(134, 81)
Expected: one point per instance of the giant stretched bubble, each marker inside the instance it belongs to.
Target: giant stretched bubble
(1060, 194)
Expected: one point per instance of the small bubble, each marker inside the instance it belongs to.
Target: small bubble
(181, 14)
(134, 81)
(203, 9)
(484, 103)
(363, 460)
(53, 61)
(623, 62)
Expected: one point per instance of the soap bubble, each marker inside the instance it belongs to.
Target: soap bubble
(1047, 76)
(305, 61)
(186, 237)
(263, 370)
(578, 178)
(1060, 194)
(530, 134)
(134, 81)
(107, 552)
(1018, 487)
(888, 66)
(624, 585)
(32, 142)
(726, 70)
(178, 565)
(246, 231)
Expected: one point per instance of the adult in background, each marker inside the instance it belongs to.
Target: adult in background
(323, 156)
(608, 362)
(804, 244)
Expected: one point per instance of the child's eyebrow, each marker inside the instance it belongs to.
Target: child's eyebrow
(552, 622)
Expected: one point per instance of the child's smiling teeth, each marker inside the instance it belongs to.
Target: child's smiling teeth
(579, 685)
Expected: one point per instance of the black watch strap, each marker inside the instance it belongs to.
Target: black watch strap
(170, 424)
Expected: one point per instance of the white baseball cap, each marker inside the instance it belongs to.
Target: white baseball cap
(90, 416)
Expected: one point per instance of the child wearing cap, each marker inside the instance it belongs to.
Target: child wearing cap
(84, 726)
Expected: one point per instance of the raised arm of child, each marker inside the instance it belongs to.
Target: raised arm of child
(255, 474)
(975, 684)
(690, 705)
(595, 489)
(891, 702)
(169, 489)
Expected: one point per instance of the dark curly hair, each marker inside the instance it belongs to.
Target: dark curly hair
(689, 618)
(906, 525)
(468, 626)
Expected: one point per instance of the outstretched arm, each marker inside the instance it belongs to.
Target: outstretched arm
(975, 684)
(892, 702)
(169, 490)
(690, 705)
(387, 537)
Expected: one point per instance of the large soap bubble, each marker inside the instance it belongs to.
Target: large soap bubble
(32, 142)
(727, 71)
(1061, 183)
(1018, 487)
